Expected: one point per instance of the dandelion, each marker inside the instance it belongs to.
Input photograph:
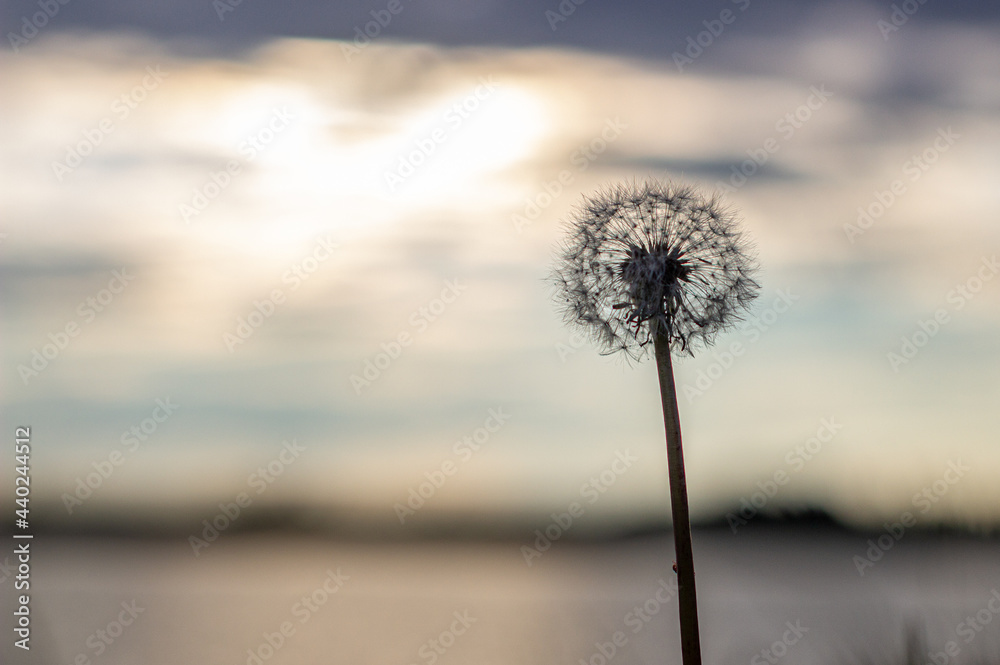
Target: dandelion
(658, 266)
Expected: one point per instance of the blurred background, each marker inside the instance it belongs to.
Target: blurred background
(275, 306)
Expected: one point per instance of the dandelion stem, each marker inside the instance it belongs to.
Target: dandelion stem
(687, 599)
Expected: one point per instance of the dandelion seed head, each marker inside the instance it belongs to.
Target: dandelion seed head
(653, 257)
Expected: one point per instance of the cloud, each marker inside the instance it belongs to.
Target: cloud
(358, 190)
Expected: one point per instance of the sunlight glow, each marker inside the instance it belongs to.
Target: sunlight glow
(328, 172)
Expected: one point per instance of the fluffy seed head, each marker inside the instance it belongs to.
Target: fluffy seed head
(654, 258)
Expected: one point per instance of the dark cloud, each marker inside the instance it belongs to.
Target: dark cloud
(635, 27)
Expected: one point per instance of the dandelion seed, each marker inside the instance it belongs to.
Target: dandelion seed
(654, 257)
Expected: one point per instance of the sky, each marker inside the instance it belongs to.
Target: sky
(258, 255)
